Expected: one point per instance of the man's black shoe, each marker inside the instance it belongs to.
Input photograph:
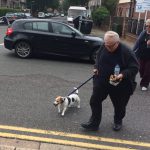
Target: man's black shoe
(117, 126)
(90, 126)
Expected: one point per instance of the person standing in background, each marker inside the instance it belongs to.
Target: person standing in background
(142, 50)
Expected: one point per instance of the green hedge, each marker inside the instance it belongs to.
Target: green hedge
(99, 14)
(3, 11)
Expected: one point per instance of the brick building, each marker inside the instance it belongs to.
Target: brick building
(13, 3)
(126, 8)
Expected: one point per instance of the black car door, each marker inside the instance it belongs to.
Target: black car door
(42, 38)
(68, 41)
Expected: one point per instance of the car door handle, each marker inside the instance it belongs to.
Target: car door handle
(86, 41)
(32, 37)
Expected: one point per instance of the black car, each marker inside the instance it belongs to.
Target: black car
(29, 36)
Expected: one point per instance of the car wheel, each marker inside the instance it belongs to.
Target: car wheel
(93, 56)
(23, 49)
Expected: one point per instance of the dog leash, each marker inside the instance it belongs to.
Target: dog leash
(80, 85)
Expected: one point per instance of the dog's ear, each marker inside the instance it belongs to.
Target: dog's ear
(58, 97)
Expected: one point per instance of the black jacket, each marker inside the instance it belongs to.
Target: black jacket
(140, 47)
(129, 60)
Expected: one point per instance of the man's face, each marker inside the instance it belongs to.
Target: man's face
(147, 27)
(110, 44)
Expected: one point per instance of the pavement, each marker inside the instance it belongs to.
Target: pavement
(17, 144)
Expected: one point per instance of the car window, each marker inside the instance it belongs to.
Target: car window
(61, 29)
(9, 14)
(28, 26)
(41, 26)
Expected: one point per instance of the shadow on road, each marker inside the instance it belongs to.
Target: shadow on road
(55, 58)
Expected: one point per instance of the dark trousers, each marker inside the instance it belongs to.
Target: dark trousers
(144, 72)
(119, 96)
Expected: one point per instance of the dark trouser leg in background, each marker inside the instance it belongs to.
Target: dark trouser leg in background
(144, 72)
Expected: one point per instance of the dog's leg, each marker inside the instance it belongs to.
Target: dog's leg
(78, 105)
(59, 108)
(63, 112)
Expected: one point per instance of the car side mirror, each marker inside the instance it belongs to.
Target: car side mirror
(73, 34)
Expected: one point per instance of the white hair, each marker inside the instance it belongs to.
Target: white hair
(148, 21)
(113, 35)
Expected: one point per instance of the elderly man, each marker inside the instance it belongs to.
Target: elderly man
(114, 75)
(142, 48)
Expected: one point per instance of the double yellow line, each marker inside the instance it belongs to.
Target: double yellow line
(70, 135)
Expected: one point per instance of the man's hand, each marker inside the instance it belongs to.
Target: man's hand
(148, 42)
(95, 71)
(116, 78)
(120, 76)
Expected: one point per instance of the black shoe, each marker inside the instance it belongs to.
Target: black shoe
(90, 126)
(117, 126)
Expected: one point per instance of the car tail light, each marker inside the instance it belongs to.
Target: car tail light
(9, 31)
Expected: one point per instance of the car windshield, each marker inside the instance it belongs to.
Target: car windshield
(74, 13)
(41, 13)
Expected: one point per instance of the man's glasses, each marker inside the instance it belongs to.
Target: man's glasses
(112, 45)
(147, 26)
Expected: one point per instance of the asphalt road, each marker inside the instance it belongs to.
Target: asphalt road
(28, 88)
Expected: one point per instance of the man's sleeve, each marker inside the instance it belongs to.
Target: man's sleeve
(136, 46)
(132, 66)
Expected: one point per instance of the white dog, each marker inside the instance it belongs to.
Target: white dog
(67, 102)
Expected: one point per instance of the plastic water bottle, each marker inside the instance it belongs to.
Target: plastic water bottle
(117, 70)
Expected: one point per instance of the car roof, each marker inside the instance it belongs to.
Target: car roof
(34, 19)
(40, 20)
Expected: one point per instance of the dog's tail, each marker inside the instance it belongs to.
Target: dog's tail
(76, 90)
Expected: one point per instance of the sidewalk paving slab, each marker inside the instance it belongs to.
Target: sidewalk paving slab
(4, 147)
(25, 149)
(45, 146)
(19, 143)
(15, 144)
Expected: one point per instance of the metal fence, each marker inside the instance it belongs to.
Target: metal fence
(123, 25)
(134, 26)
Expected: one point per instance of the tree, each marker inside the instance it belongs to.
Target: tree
(79, 2)
(110, 5)
(42, 5)
(99, 14)
(65, 5)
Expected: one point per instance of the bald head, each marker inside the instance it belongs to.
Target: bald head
(111, 40)
(113, 36)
